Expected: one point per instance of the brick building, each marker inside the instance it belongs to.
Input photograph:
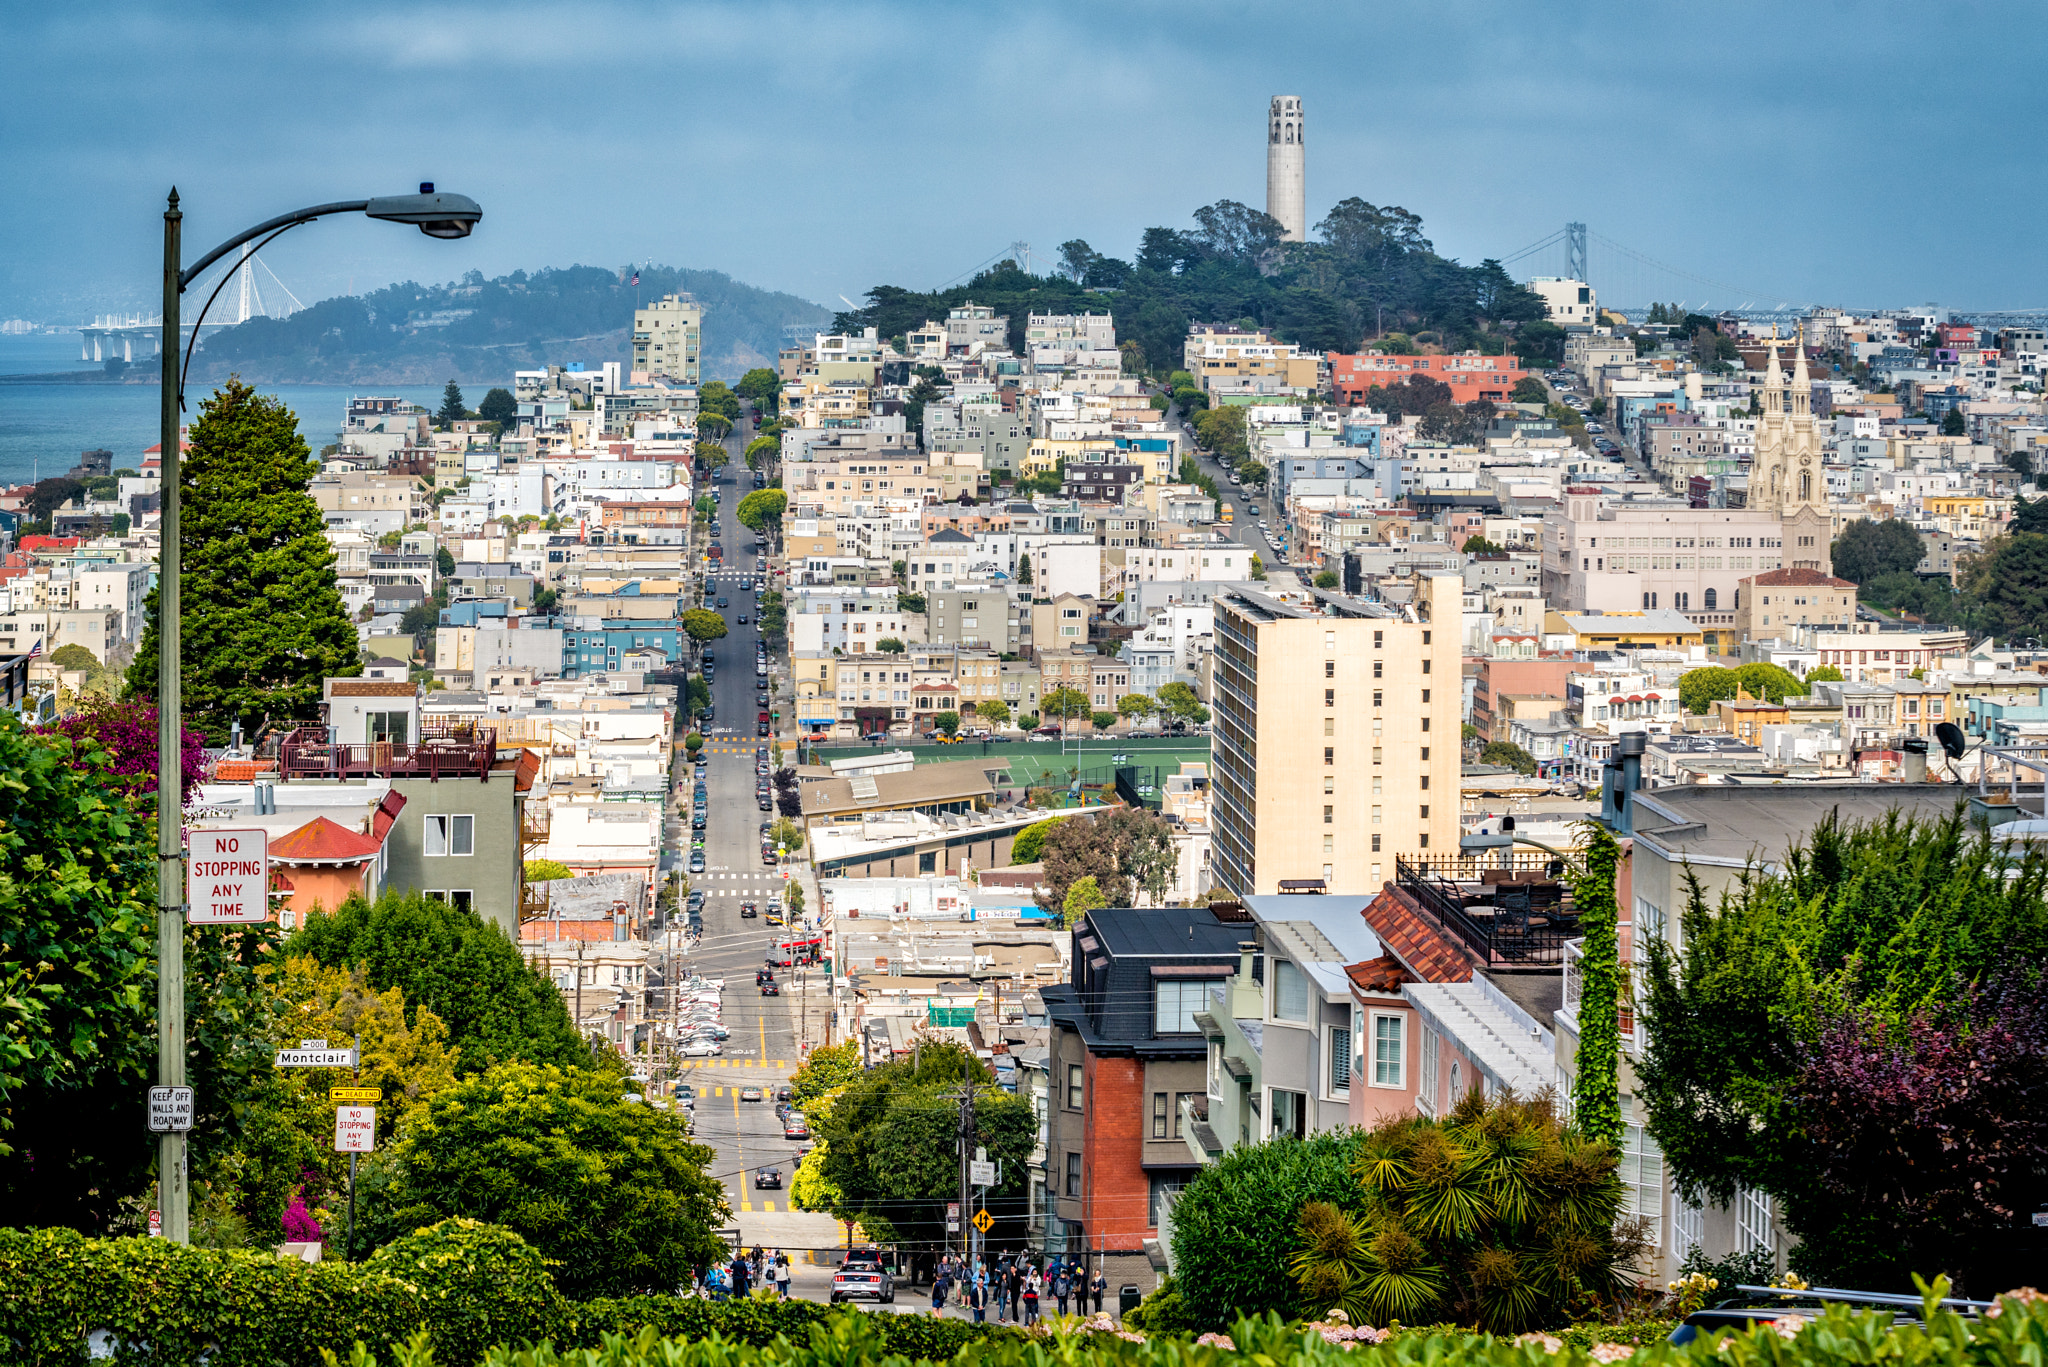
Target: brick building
(1125, 1053)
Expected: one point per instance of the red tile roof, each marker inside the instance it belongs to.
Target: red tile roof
(1423, 948)
(322, 841)
(1798, 579)
(1383, 974)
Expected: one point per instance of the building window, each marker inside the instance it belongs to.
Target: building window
(1174, 1004)
(1290, 1114)
(1160, 1194)
(1642, 1175)
(388, 726)
(1290, 991)
(1073, 1174)
(1180, 1108)
(1425, 1093)
(1159, 1103)
(442, 835)
(1340, 1058)
(1387, 1069)
(1073, 1086)
(1753, 1220)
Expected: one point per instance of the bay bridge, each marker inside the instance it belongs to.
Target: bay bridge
(120, 337)
(1628, 282)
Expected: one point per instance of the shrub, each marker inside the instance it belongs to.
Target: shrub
(486, 1285)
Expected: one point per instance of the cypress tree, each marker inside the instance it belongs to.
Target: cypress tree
(262, 615)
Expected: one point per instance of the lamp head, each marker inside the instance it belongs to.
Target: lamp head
(437, 215)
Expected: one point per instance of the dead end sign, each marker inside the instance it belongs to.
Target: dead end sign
(227, 877)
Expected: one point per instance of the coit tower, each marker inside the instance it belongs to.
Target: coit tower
(1285, 194)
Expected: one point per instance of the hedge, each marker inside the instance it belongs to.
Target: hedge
(462, 1285)
(2017, 1335)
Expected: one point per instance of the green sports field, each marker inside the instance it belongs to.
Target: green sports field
(1035, 764)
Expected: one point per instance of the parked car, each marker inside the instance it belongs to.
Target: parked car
(700, 1048)
(763, 803)
(794, 1126)
(748, 911)
(785, 1093)
(697, 861)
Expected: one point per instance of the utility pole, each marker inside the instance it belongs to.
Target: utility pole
(966, 1156)
(173, 1182)
(579, 986)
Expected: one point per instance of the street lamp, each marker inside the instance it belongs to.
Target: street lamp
(436, 215)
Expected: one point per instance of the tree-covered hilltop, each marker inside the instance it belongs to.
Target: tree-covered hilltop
(1368, 275)
(420, 334)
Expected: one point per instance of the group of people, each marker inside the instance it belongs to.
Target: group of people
(764, 1268)
(1018, 1290)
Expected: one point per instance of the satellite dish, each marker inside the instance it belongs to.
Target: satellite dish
(1951, 737)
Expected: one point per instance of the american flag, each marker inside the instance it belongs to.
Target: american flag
(636, 277)
(36, 649)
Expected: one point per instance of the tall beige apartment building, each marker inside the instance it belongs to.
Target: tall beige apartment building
(1337, 736)
(667, 337)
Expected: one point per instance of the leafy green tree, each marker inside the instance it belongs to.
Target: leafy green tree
(1129, 852)
(712, 455)
(547, 870)
(763, 508)
(1953, 425)
(994, 711)
(889, 645)
(455, 964)
(1529, 389)
(1888, 920)
(1498, 1215)
(452, 410)
(1222, 430)
(74, 656)
(1699, 689)
(1065, 703)
(1479, 545)
(1823, 674)
(444, 560)
(1258, 568)
(612, 1190)
(825, 1070)
(1867, 549)
(760, 387)
(702, 625)
(946, 722)
(1136, 705)
(1235, 1223)
(909, 602)
(1083, 896)
(714, 425)
(2005, 588)
(761, 450)
(1180, 700)
(499, 407)
(1102, 720)
(1509, 755)
(1030, 842)
(1327, 580)
(263, 621)
(889, 1142)
(716, 396)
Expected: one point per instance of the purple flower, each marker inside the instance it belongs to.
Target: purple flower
(299, 1225)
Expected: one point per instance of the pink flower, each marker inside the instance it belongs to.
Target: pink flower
(1610, 1352)
(1218, 1341)
(1788, 1326)
(299, 1225)
(1544, 1341)
(2022, 1295)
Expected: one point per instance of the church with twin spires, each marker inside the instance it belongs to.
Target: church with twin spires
(1785, 474)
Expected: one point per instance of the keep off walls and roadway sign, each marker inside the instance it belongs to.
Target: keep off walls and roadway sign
(227, 877)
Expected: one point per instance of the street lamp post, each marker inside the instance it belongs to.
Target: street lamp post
(436, 215)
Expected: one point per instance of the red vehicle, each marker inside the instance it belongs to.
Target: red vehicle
(789, 953)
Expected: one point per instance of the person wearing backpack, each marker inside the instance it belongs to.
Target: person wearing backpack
(1061, 1286)
(1031, 1288)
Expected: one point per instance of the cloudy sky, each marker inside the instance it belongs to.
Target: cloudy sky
(1879, 154)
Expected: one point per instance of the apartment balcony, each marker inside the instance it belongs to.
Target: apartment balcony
(1512, 911)
(1202, 1142)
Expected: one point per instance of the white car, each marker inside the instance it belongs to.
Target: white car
(700, 1048)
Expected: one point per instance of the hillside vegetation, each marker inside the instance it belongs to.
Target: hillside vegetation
(476, 328)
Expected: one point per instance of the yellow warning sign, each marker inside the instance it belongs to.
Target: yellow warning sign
(355, 1096)
(984, 1221)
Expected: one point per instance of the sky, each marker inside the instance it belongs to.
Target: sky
(1877, 155)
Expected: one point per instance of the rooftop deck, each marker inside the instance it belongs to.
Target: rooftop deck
(1513, 911)
(445, 749)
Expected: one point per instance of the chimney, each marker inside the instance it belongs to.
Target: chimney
(1622, 775)
(1914, 770)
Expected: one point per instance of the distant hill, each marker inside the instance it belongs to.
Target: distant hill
(481, 329)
